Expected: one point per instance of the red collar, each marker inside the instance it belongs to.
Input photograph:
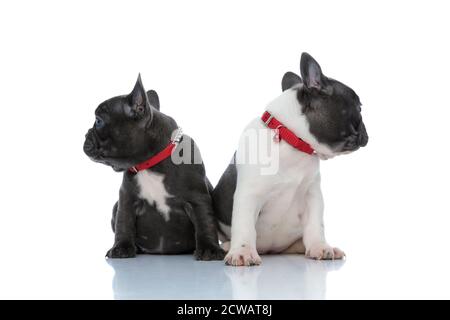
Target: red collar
(285, 134)
(157, 158)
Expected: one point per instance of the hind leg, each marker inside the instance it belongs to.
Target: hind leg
(225, 246)
(298, 247)
(206, 238)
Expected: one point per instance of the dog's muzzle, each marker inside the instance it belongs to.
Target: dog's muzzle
(90, 146)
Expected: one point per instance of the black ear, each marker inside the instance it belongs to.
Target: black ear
(153, 98)
(138, 97)
(311, 72)
(289, 80)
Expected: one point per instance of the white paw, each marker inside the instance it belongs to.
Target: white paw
(242, 256)
(323, 251)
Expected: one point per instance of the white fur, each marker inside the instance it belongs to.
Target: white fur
(152, 189)
(272, 212)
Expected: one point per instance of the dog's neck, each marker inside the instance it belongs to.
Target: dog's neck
(159, 133)
(287, 109)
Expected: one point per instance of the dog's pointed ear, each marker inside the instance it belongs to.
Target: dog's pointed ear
(311, 72)
(289, 80)
(138, 97)
(153, 98)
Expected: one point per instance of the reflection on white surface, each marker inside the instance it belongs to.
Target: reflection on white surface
(84, 273)
(181, 277)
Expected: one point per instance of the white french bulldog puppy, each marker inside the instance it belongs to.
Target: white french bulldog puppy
(282, 211)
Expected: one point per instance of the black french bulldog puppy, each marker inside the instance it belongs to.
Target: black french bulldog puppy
(166, 208)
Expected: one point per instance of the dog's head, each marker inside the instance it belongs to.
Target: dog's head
(332, 109)
(119, 137)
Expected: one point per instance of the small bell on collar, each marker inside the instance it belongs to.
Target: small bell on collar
(276, 136)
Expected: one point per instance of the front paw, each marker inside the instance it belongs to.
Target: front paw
(122, 250)
(243, 256)
(322, 251)
(208, 253)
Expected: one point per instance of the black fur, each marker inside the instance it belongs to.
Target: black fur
(223, 193)
(130, 129)
(153, 98)
(333, 109)
(289, 80)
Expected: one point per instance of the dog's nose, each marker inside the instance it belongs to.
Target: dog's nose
(363, 138)
(88, 146)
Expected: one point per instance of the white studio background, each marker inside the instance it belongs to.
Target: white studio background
(215, 65)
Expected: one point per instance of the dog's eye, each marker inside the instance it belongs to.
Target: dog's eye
(99, 123)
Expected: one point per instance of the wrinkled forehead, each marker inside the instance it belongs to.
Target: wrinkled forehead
(345, 93)
(112, 107)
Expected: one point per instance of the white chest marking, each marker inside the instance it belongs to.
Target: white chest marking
(152, 189)
(282, 196)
